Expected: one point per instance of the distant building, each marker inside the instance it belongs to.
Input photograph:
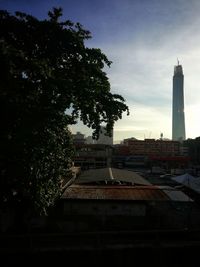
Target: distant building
(162, 152)
(105, 139)
(149, 147)
(90, 140)
(79, 138)
(178, 117)
(93, 156)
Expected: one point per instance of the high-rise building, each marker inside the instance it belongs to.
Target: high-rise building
(178, 117)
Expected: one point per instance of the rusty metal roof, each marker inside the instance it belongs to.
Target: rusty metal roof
(94, 175)
(151, 193)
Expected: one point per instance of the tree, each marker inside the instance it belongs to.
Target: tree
(49, 79)
(193, 146)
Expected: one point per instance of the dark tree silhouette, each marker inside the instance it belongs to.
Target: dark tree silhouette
(49, 79)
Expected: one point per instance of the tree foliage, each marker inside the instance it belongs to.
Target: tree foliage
(49, 79)
(193, 146)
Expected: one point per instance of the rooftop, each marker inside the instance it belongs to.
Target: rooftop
(114, 192)
(118, 192)
(109, 176)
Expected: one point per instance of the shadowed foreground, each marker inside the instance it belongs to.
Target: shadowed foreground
(161, 248)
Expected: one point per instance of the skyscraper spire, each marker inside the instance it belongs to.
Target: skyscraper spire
(178, 116)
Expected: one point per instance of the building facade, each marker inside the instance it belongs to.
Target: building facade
(92, 156)
(150, 152)
(152, 147)
(104, 139)
(178, 117)
(79, 138)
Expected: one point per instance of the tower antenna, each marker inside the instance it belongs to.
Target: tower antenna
(178, 61)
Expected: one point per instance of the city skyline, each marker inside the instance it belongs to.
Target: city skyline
(143, 40)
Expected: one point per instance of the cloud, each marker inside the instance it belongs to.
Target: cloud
(144, 39)
(144, 122)
(142, 72)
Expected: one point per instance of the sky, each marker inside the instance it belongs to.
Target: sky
(143, 39)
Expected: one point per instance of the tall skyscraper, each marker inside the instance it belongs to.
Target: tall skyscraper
(178, 117)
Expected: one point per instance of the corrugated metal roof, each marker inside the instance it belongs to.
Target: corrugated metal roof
(175, 194)
(105, 174)
(152, 193)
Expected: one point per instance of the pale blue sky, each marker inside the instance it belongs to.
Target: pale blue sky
(143, 39)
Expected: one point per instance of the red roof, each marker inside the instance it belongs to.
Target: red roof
(115, 193)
